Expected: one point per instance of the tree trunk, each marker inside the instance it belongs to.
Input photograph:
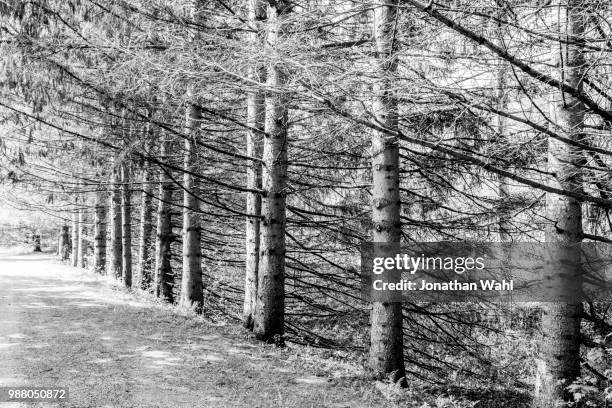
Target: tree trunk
(386, 336)
(116, 256)
(99, 265)
(64, 243)
(256, 113)
(270, 307)
(126, 217)
(191, 284)
(503, 189)
(74, 252)
(164, 278)
(81, 244)
(146, 229)
(558, 362)
(36, 242)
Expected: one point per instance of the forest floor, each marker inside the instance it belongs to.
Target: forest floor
(65, 326)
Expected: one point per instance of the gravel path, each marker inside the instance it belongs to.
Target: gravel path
(65, 326)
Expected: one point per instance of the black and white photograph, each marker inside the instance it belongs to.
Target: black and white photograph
(305, 203)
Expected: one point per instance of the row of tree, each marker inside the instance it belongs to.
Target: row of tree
(278, 136)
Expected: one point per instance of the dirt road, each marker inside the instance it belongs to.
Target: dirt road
(65, 326)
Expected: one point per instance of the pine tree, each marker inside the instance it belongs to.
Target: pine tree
(255, 121)
(99, 264)
(164, 276)
(191, 284)
(269, 322)
(386, 335)
(558, 362)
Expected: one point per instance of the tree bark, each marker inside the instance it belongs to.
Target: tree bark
(558, 362)
(256, 113)
(74, 252)
(270, 307)
(164, 278)
(99, 265)
(503, 189)
(191, 285)
(36, 242)
(146, 229)
(81, 251)
(386, 337)
(64, 243)
(116, 256)
(126, 233)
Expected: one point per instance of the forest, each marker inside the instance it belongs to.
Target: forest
(231, 157)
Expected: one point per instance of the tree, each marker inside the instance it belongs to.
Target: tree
(192, 295)
(116, 257)
(164, 277)
(64, 243)
(99, 261)
(559, 349)
(74, 252)
(81, 245)
(36, 242)
(145, 230)
(269, 322)
(126, 230)
(255, 121)
(386, 336)
(504, 226)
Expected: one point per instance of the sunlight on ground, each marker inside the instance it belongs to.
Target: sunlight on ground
(211, 357)
(161, 357)
(75, 333)
(13, 380)
(312, 380)
(39, 345)
(6, 345)
(108, 338)
(40, 305)
(116, 349)
(17, 336)
(51, 289)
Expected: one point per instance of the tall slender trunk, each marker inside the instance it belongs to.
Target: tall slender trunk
(256, 113)
(164, 278)
(191, 281)
(269, 319)
(386, 336)
(116, 256)
(64, 243)
(503, 189)
(191, 284)
(501, 95)
(99, 265)
(146, 229)
(74, 252)
(126, 233)
(558, 362)
(82, 248)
